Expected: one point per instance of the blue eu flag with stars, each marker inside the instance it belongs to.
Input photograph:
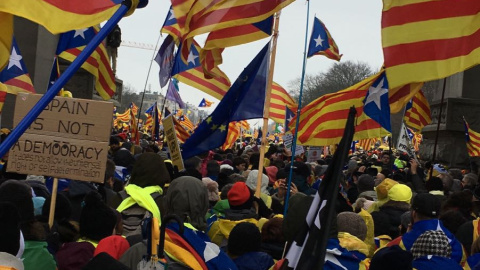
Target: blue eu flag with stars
(245, 100)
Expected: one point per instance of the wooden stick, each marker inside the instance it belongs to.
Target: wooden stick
(53, 202)
(266, 110)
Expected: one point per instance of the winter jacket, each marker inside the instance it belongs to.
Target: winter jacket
(254, 261)
(406, 241)
(36, 256)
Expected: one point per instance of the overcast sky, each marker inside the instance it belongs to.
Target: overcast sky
(354, 25)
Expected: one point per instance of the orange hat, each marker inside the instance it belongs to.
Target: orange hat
(238, 194)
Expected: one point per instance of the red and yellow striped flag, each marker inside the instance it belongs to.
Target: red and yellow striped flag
(124, 117)
(98, 64)
(425, 40)
(184, 121)
(366, 144)
(232, 135)
(473, 140)
(279, 99)
(215, 87)
(398, 97)
(207, 16)
(323, 120)
(417, 112)
(182, 134)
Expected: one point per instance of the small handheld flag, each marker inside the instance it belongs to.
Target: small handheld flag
(322, 43)
(205, 103)
(473, 140)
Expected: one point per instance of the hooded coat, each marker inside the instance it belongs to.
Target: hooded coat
(188, 198)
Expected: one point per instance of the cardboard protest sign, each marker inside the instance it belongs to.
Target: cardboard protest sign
(172, 141)
(314, 153)
(69, 139)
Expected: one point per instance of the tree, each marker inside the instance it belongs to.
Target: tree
(129, 95)
(340, 76)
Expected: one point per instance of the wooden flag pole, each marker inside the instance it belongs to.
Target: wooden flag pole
(53, 202)
(266, 110)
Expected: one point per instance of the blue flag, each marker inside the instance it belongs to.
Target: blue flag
(245, 100)
(376, 105)
(164, 59)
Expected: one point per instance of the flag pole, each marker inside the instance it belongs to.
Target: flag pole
(438, 127)
(266, 110)
(64, 78)
(146, 82)
(297, 122)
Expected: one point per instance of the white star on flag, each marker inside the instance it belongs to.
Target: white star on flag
(375, 93)
(290, 118)
(15, 59)
(191, 58)
(318, 41)
(80, 32)
(211, 251)
(171, 15)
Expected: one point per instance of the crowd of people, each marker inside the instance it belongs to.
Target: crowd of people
(392, 212)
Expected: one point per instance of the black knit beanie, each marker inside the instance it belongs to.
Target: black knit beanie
(97, 220)
(20, 194)
(244, 237)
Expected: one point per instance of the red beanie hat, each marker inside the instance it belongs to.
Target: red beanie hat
(238, 194)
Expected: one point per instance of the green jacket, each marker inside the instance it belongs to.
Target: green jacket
(36, 256)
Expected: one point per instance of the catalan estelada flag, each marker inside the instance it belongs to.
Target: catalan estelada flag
(205, 103)
(184, 121)
(133, 108)
(62, 16)
(417, 112)
(207, 16)
(322, 43)
(415, 137)
(278, 100)
(71, 44)
(14, 76)
(473, 140)
(323, 120)
(171, 27)
(211, 54)
(425, 40)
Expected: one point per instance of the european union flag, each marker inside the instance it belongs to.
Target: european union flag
(245, 100)
(376, 105)
(322, 43)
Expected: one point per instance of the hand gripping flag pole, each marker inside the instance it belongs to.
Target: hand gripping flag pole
(65, 77)
(294, 143)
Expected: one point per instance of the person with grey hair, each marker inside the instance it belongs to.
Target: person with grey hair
(447, 181)
(470, 181)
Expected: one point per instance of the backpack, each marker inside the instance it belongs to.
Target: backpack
(132, 217)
